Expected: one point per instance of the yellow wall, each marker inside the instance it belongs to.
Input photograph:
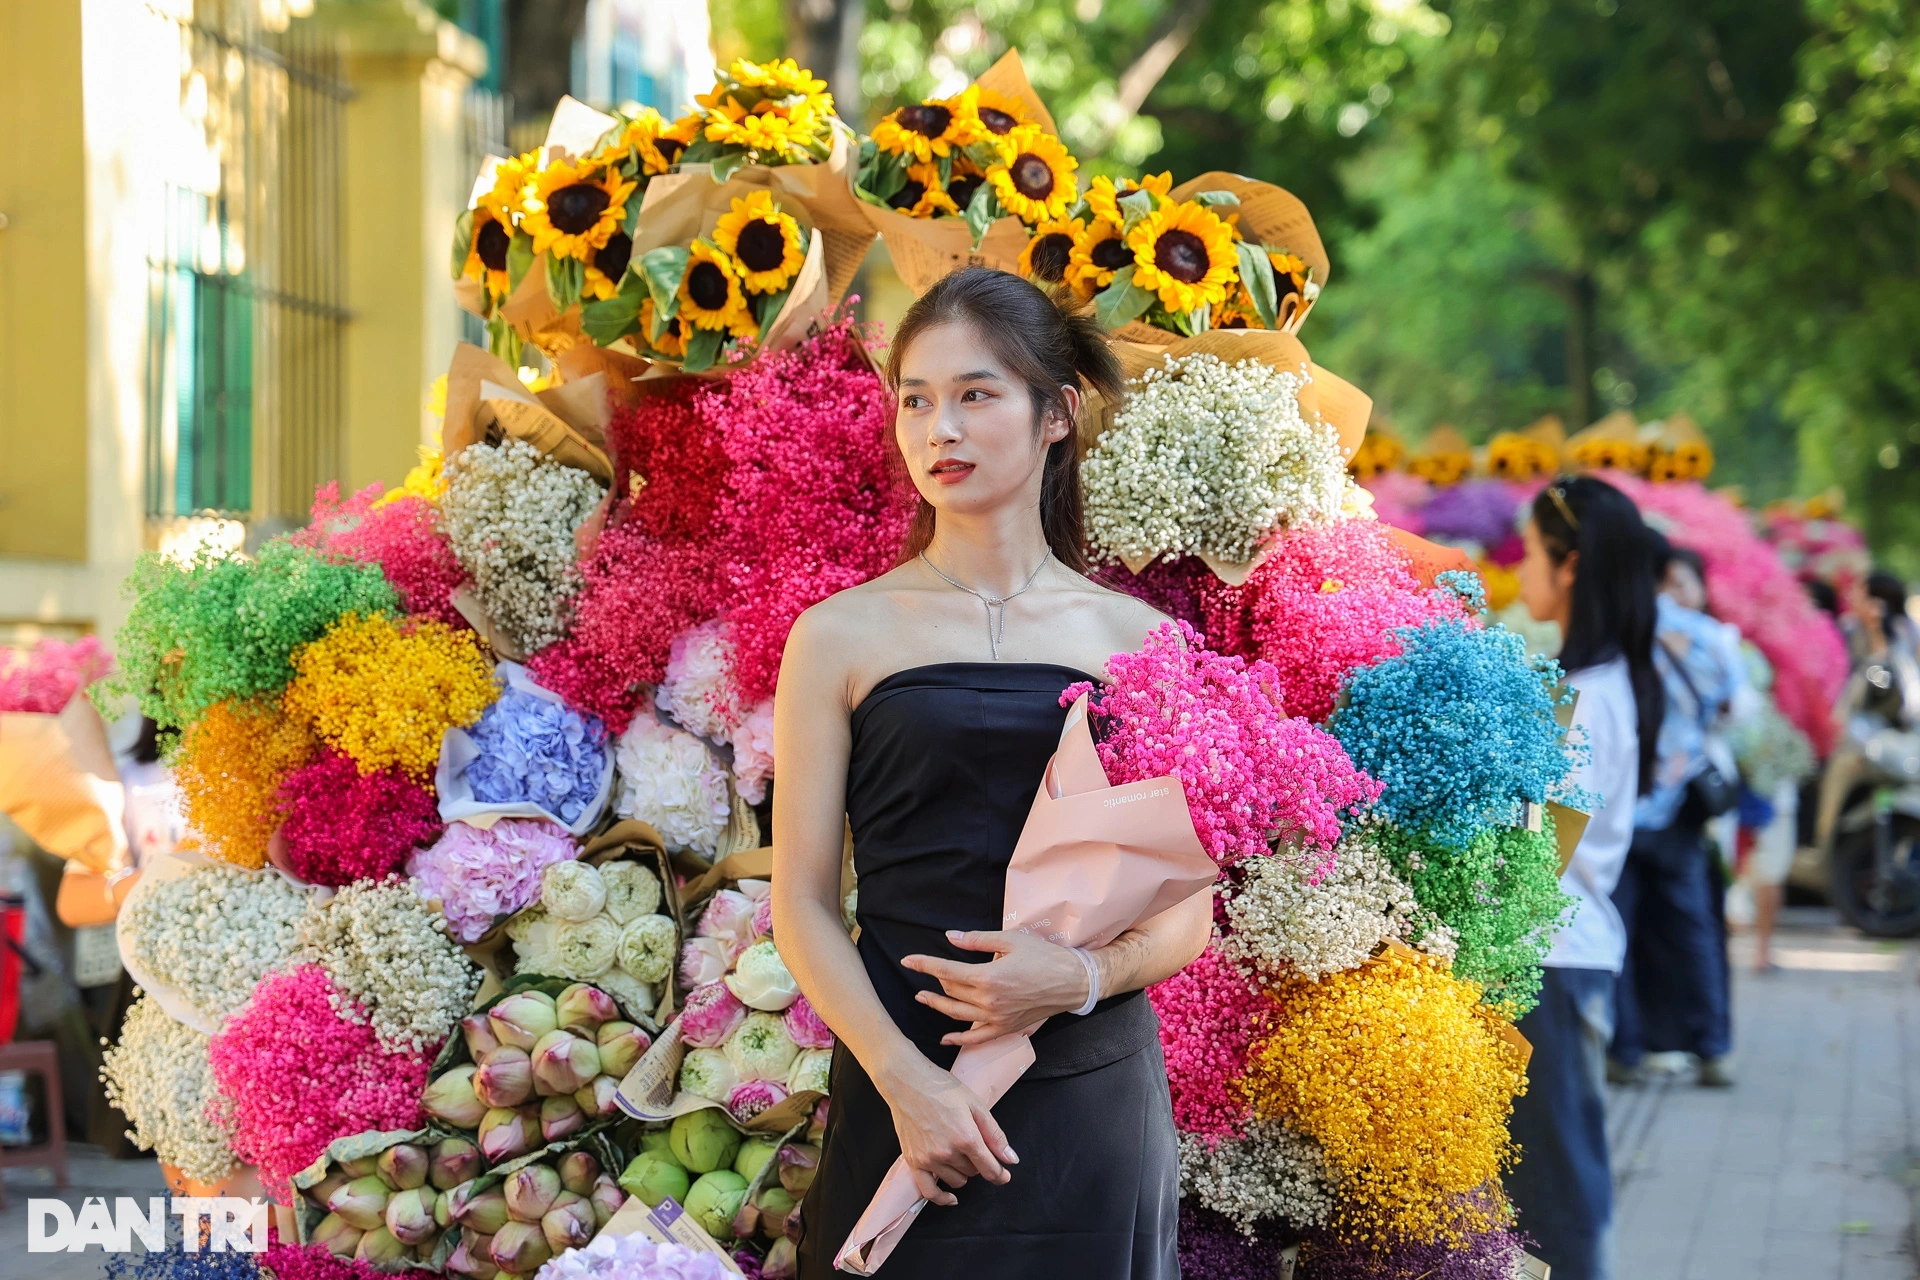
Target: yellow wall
(43, 301)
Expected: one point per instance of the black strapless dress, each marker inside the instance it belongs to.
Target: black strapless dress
(944, 765)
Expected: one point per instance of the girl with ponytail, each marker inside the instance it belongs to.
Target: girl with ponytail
(917, 712)
(1590, 566)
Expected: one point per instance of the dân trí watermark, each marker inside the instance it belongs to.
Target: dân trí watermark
(230, 1224)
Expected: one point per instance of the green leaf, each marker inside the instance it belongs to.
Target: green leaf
(504, 341)
(699, 151)
(981, 211)
(611, 319)
(663, 269)
(1257, 274)
(767, 305)
(946, 170)
(868, 151)
(565, 278)
(519, 259)
(462, 242)
(703, 348)
(983, 154)
(1215, 198)
(726, 166)
(889, 178)
(631, 223)
(1134, 206)
(1121, 301)
(1080, 209)
(658, 329)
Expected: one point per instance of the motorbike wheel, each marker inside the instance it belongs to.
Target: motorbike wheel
(1881, 906)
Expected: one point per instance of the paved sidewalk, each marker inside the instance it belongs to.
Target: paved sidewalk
(1808, 1166)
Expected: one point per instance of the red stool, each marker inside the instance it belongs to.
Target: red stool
(42, 1057)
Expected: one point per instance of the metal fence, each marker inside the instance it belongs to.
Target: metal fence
(247, 291)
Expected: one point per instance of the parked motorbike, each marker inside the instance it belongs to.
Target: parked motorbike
(1869, 815)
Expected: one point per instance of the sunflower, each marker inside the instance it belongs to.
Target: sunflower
(781, 78)
(512, 179)
(922, 131)
(1098, 252)
(487, 253)
(607, 265)
(1103, 193)
(672, 340)
(766, 245)
(922, 196)
(996, 114)
(786, 133)
(710, 296)
(657, 143)
(965, 180)
(1184, 253)
(1034, 176)
(1289, 272)
(1048, 253)
(1238, 312)
(575, 209)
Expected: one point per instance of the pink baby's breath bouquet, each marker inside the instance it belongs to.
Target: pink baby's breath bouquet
(1252, 773)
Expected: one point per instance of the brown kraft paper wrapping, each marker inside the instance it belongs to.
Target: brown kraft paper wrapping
(484, 393)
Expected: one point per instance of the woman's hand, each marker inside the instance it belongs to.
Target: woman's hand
(1028, 981)
(947, 1134)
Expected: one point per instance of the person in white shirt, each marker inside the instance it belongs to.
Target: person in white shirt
(1589, 567)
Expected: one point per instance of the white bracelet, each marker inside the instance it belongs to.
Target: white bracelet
(1093, 980)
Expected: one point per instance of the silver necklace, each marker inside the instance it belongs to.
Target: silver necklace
(996, 623)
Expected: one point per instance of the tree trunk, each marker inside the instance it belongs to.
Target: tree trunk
(824, 36)
(1582, 297)
(539, 49)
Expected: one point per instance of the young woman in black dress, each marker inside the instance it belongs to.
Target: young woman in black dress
(921, 709)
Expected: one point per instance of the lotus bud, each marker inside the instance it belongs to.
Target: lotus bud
(653, 1176)
(596, 1096)
(782, 1263)
(424, 1251)
(584, 1007)
(455, 1160)
(470, 1259)
(703, 1141)
(817, 1127)
(443, 1210)
(520, 1248)
(657, 1140)
(451, 1099)
(362, 1202)
(761, 979)
(478, 1031)
(403, 1167)
(483, 1213)
(775, 1204)
(560, 1117)
(578, 1171)
(704, 960)
(520, 1020)
(710, 1015)
(606, 1199)
(320, 1192)
(339, 1236)
(621, 1045)
(410, 1215)
(380, 1245)
(505, 1077)
(361, 1166)
(746, 1221)
(563, 1062)
(570, 1223)
(506, 1133)
(798, 1163)
(530, 1191)
(754, 1154)
(714, 1199)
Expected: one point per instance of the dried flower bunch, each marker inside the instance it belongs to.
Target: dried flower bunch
(387, 957)
(229, 767)
(158, 1076)
(510, 513)
(211, 933)
(1270, 1174)
(1209, 458)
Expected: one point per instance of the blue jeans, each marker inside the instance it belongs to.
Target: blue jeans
(1673, 990)
(1563, 1186)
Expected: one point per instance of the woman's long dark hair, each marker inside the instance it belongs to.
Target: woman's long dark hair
(1047, 342)
(1614, 590)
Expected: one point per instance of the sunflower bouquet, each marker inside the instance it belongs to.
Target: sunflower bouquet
(719, 269)
(1217, 252)
(966, 178)
(776, 113)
